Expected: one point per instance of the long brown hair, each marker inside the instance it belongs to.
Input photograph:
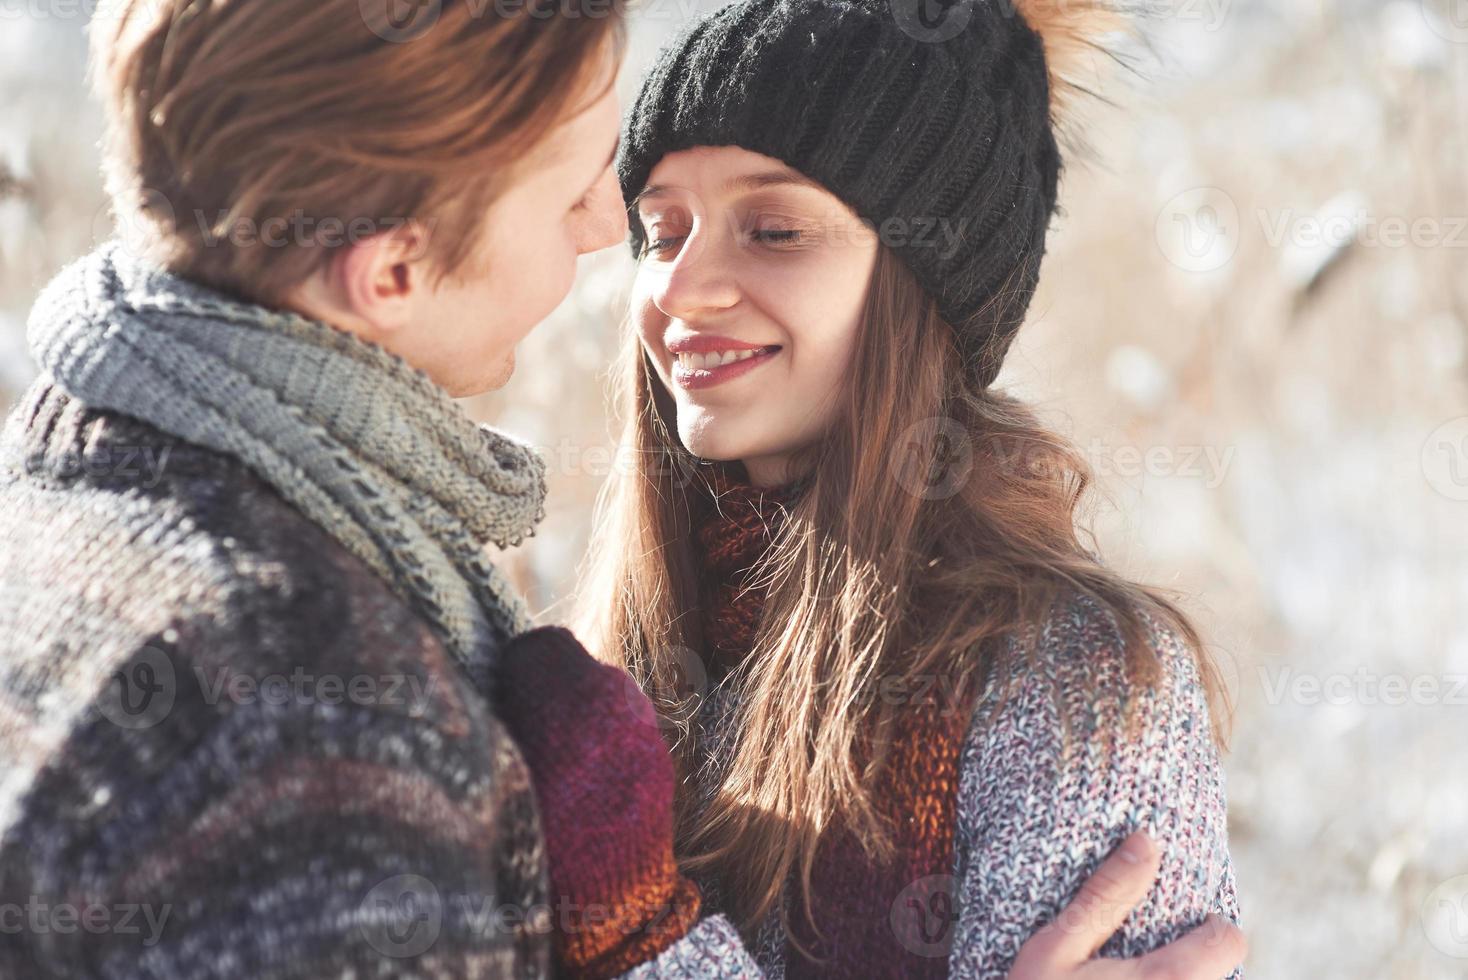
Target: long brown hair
(938, 520)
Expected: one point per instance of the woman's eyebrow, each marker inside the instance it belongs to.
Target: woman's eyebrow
(742, 182)
(770, 178)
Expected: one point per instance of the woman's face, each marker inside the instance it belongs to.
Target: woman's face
(748, 300)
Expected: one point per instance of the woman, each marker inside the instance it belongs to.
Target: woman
(930, 709)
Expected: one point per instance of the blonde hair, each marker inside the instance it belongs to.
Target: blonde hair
(227, 116)
(878, 574)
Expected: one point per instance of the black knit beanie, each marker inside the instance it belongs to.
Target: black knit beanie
(917, 124)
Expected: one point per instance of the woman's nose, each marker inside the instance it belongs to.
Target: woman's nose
(699, 278)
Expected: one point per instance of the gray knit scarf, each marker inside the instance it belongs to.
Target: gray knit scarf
(364, 445)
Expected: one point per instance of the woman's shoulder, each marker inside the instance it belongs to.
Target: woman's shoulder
(1078, 669)
(1076, 751)
(1056, 771)
(1073, 715)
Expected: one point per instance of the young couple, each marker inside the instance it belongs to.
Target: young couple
(938, 736)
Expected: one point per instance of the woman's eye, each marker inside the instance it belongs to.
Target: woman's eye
(660, 245)
(777, 236)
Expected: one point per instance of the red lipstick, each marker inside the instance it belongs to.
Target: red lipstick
(697, 364)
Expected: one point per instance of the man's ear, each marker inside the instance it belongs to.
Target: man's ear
(380, 279)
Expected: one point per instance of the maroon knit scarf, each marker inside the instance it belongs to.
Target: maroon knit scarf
(894, 920)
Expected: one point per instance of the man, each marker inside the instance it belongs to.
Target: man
(249, 634)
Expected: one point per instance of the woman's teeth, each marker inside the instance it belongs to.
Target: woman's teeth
(713, 359)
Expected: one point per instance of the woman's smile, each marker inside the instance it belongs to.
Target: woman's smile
(703, 360)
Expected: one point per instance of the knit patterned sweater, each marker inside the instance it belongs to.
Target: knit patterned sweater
(1037, 813)
(229, 750)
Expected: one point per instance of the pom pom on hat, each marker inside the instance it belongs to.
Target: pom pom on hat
(1083, 40)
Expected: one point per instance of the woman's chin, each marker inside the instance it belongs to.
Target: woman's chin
(707, 439)
(711, 451)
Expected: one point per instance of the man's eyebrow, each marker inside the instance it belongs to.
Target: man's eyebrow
(743, 182)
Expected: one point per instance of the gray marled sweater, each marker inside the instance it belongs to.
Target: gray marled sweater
(1036, 815)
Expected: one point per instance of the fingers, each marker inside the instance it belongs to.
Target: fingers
(1097, 911)
(1214, 949)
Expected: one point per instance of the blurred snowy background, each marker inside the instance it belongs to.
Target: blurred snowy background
(1254, 317)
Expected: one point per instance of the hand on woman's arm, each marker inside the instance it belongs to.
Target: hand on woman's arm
(1066, 948)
